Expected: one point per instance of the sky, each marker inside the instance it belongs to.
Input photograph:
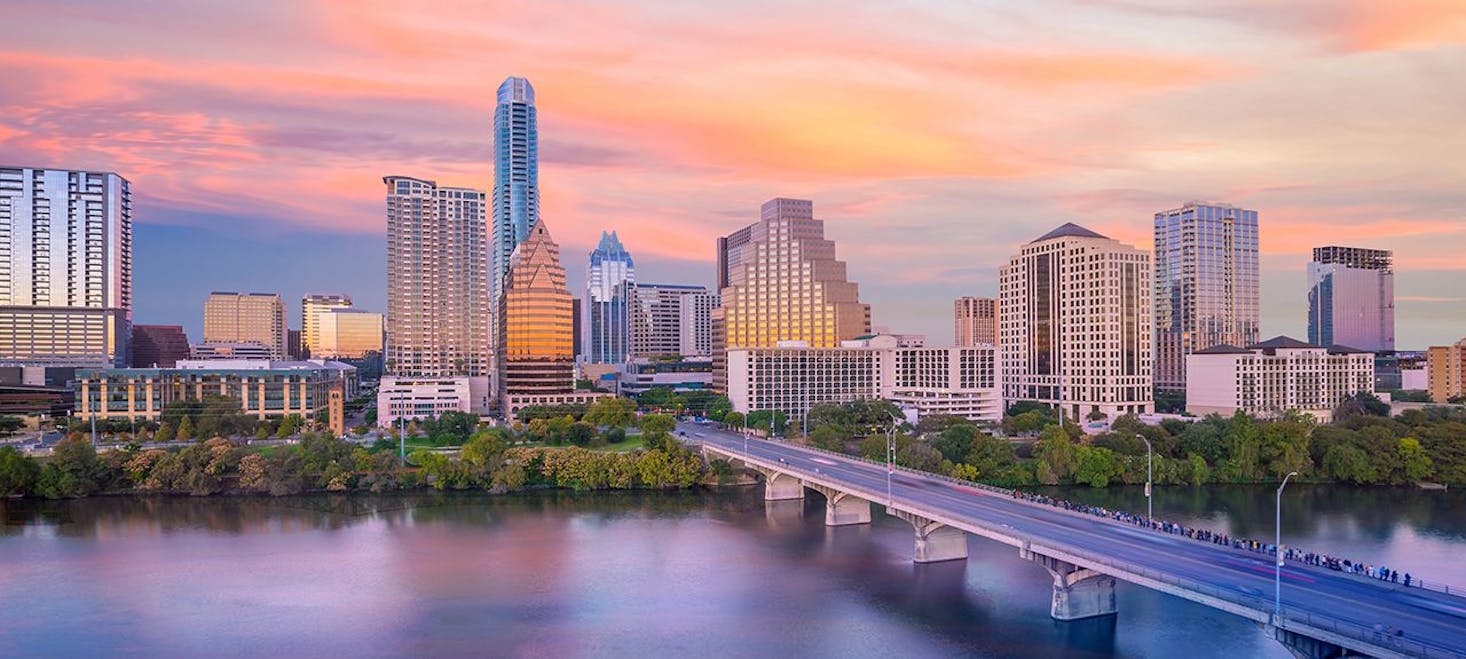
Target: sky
(934, 137)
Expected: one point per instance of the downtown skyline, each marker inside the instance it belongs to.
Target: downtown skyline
(930, 164)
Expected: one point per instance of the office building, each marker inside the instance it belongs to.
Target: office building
(1445, 372)
(1351, 298)
(222, 350)
(417, 398)
(65, 268)
(977, 321)
(641, 374)
(311, 308)
(264, 388)
(1269, 378)
(607, 312)
(231, 317)
(516, 195)
(1206, 285)
(1074, 324)
(671, 319)
(793, 377)
(779, 280)
(437, 280)
(158, 346)
(347, 334)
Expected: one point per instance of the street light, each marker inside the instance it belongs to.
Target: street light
(1278, 548)
(891, 457)
(1149, 511)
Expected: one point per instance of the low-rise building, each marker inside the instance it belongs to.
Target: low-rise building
(264, 388)
(1446, 371)
(221, 350)
(681, 374)
(792, 377)
(407, 397)
(1270, 378)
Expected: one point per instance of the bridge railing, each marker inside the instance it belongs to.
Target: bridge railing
(1263, 605)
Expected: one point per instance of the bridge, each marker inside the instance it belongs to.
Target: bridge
(1324, 613)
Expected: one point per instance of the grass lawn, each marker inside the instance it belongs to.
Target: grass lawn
(631, 444)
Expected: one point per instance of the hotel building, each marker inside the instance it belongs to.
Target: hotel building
(976, 320)
(1269, 378)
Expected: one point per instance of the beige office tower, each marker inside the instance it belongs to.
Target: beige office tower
(348, 334)
(536, 331)
(1074, 324)
(779, 280)
(311, 308)
(437, 280)
(246, 318)
(976, 321)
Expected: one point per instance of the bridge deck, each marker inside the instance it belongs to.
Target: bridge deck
(1332, 606)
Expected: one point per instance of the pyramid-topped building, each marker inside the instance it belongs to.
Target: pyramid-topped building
(536, 331)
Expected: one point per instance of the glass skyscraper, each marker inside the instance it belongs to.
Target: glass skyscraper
(1206, 285)
(536, 327)
(607, 313)
(1351, 298)
(516, 197)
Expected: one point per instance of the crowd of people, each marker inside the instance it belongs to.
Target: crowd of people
(1203, 535)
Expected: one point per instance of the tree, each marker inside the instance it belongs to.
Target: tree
(451, 427)
(734, 419)
(580, 433)
(185, 429)
(1094, 465)
(1362, 403)
(18, 472)
(611, 413)
(759, 420)
(1026, 422)
(1056, 450)
(74, 470)
(990, 455)
(829, 438)
(920, 456)
(1415, 464)
(1344, 462)
(657, 423)
(956, 441)
(165, 432)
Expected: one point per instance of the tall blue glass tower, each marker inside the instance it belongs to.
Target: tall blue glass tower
(516, 198)
(607, 313)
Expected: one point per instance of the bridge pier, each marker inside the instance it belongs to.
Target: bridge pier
(1306, 647)
(935, 541)
(779, 486)
(842, 509)
(1078, 592)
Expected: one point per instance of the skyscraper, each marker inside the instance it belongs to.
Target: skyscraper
(1075, 324)
(259, 318)
(1351, 298)
(65, 268)
(311, 308)
(607, 314)
(1206, 285)
(437, 283)
(671, 319)
(976, 321)
(536, 333)
(516, 195)
(348, 334)
(779, 280)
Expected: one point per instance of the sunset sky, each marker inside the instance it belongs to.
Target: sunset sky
(934, 137)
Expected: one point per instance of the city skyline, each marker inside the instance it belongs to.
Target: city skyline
(1162, 124)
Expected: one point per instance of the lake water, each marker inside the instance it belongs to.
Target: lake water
(621, 574)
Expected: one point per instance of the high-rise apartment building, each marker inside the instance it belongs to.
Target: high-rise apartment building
(1074, 324)
(231, 317)
(1351, 298)
(977, 321)
(607, 312)
(311, 308)
(1206, 285)
(1445, 372)
(159, 346)
(779, 280)
(516, 195)
(65, 268)
(437, 280)
(536, 334)
(347, 334)
(671, 319)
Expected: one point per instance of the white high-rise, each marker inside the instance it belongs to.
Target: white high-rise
(1074, 315)
(65, 268)
(437, 280)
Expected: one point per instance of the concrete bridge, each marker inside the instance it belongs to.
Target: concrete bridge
(1325, 614)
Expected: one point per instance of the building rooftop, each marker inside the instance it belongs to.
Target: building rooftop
(1281, 342)
(1069, 230)
(1223, 349)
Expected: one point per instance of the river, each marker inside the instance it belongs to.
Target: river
(622, 574)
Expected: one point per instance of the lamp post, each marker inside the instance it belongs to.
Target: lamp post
(1278, 549)
(891, 458)
(1149, 509)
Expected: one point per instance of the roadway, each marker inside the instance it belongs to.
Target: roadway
(1241, 580)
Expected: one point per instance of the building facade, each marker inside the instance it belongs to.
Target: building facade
(263, 388)
(606, 316)
(437, 280)
(1075, 324)
(221, 350)
(414, 398)
(1445, 372)
(1351, 298)
(671, 319)
(536, 332)
(1206, 285)
(779, 280)
(159, 346)
(65, 268)
(311, 308)
(641, 374)
(516, 196)
(348, 334)
(976, 321)
(1270, 378)
(231, 317)
(960, 381)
